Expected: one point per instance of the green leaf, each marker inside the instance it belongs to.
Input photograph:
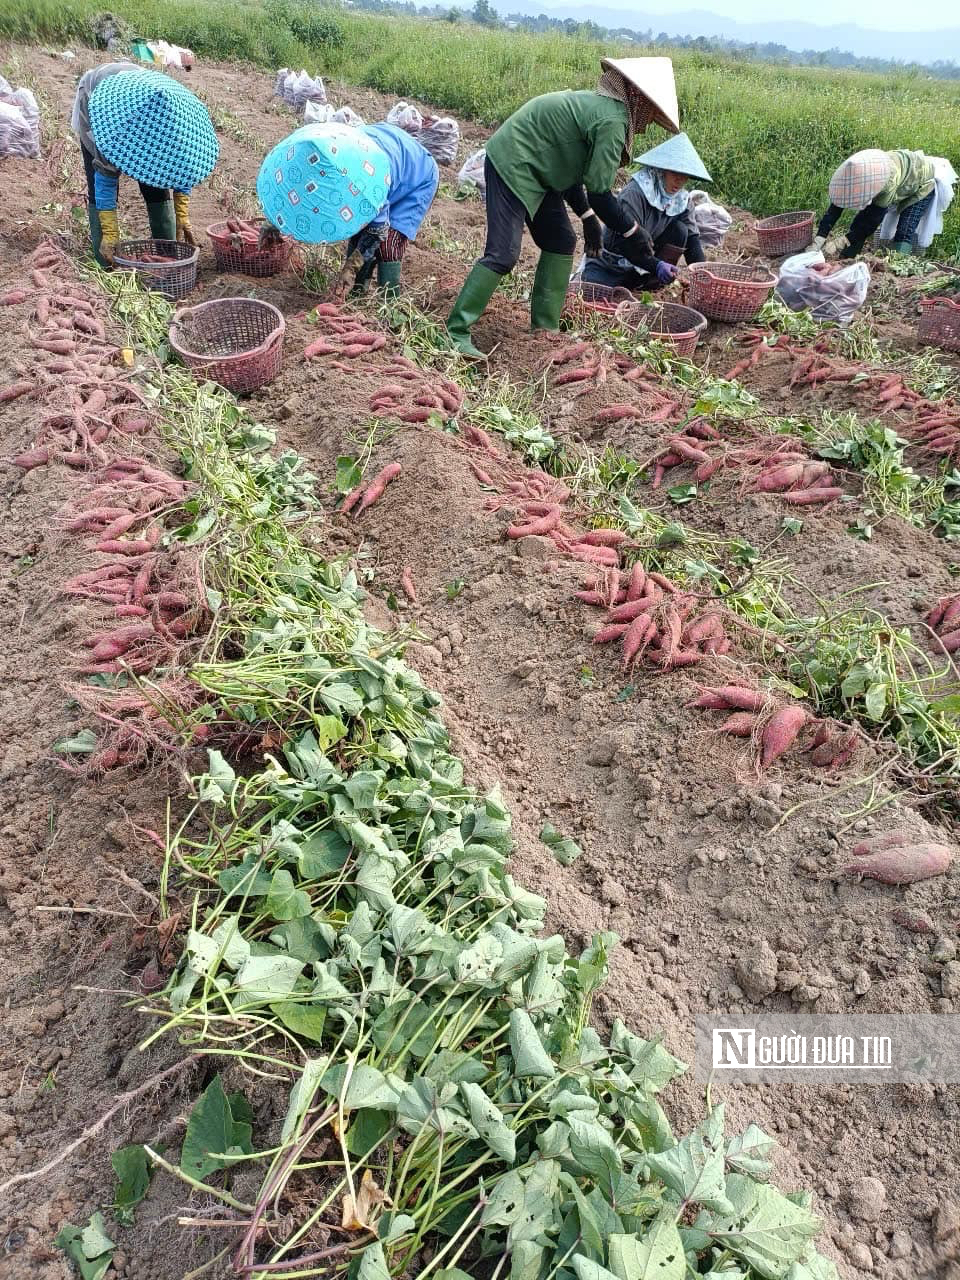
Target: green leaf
(264, 979)
(89, 1248)
(488, 1121)
(749, 1152)
(791, 525)
(653, 1066)
(587, 1269)
(81, 743)
(133, 1170)
(657, 1256)
(812, 1266)
(680, 494)
(219, 780)
(340, 697)
(526, 1260)
(322, 855)
(373, 1264)
(765, 1230)
(212, 1131)
(421, 1106)
(367, 1087)
(348, 474)
(876, 700)
(595, 1152)
(694, 1167)
(284, 900)
(394, 1226)
(563, 848)
(504, 1202)
(304, 1020)
(367, 1129)
(529, 1056)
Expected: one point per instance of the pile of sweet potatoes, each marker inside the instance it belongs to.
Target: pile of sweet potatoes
(411, 396)
(774, 727)
(944, 621)
(765, 465)
(342, 333)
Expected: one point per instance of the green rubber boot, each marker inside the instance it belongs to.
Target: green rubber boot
(478, 288)
(903, 246)
(96, 234)
(162, 219)
(549, 290)
(388, 278)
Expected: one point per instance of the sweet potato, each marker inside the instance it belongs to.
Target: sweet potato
(903, 864)
(638, 634)
(631, 609)
(806, 497)
(950, 640)
(780, 732)
(31, 458)
(604, 556)
(638, 576)
(14, 297)
(406, 582)
(379, 484)
(604, 538)
(538, 527)
(884, 840)
(778, 478)
(612, 631)
(15, 390)
(740, 725)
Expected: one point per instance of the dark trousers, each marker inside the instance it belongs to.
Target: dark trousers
(506, 218)
(151, 195)
(602, 271)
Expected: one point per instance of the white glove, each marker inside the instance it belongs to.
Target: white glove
(833, 248)
(819, 241)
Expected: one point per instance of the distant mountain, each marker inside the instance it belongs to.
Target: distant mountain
(905, 46)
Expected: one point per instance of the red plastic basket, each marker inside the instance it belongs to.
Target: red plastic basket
(728, 291)
(786, 233)
(670, 322)
(939, 324)
(237, 342)
(584, 298)
(240, 251)
(174, 278)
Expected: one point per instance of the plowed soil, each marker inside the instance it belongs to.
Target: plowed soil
(725, 888)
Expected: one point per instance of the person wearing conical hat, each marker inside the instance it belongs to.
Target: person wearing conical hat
(656, 199)
(873, 182)
(370, 186)
(556, 150)
(144, 124)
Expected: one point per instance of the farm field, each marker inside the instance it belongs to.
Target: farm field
(726, 884)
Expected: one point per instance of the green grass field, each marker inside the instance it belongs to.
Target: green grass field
(771, 136)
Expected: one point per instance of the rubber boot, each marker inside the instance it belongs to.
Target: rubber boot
(549, 290)
(96, 234)
(903, 246)
(162, 219)
(478, 288)
(388, 278)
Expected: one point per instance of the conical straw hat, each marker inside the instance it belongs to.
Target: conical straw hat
(653, 77)
(679, 155)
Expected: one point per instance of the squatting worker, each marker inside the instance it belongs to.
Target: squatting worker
(873, 182)
(657, 200)
(144, 124)
(558, 149)
(371, 186)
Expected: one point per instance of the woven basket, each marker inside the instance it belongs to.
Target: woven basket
(584, 298)
(939, 324)
(670, 322)
(786, 233)
(238, 253)
(237, 342)
(728, 291)
(173, 279)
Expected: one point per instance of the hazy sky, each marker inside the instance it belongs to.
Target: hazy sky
(888, 15)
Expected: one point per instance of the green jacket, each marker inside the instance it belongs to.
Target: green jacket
(560, 140)
(911, 179)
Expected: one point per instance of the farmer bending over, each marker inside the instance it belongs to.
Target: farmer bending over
(656, 200)
(148, 126)
(874, 182)
(371, 186)
(558, 149)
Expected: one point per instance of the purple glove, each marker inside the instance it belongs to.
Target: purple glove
(666, 272)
